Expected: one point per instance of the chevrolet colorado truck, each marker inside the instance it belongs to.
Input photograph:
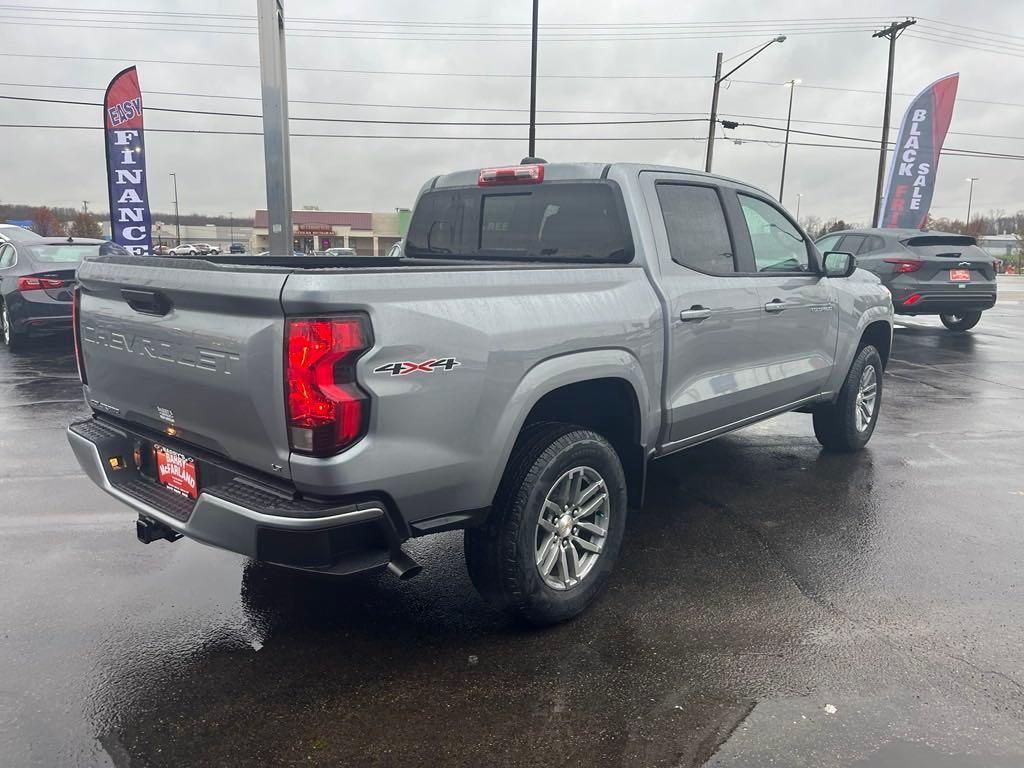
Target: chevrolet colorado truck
(548, 331)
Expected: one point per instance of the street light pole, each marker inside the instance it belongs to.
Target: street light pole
(970, 198)
(231, 223)
(177, 217)
(719, 79)
(799, 198)
(533, 84)
(785, 148)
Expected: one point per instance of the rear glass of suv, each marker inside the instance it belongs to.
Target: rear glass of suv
(550, 221)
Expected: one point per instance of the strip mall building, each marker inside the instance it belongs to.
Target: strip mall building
(370, 234)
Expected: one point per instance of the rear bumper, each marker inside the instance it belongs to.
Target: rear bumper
(944, 302)
(240, 515)
(38, 316)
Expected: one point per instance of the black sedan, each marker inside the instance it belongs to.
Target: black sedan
(37, 280)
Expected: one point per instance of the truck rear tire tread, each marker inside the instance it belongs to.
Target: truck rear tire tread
(499, 557)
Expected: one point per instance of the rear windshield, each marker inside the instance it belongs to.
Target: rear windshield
(19, 235)
(73, 253)
(553, 221)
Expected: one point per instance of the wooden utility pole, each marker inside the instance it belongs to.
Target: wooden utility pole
(891, 32)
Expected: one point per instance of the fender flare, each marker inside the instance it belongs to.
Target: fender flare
(556, 372)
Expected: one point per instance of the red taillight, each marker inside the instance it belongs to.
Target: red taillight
(912, 299)
(327, 411)
(904, 265)
(38, 283)
(76, 300)
(513, 174)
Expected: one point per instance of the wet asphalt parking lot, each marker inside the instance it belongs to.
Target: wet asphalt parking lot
(773, 605)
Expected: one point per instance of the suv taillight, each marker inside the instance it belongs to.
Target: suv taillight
(76, 300)
(327, 411)
(903, 266)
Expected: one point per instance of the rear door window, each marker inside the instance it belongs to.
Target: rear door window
(559, 221)
(695, 224)
(6, 256)
(851, 244)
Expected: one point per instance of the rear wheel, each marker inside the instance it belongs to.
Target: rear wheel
(12, 339)
(847, 424)
(558, 520)
(962, 321)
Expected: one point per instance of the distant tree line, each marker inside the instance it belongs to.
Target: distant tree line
(21, 212)
(992, 223)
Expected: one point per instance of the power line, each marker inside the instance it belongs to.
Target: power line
(214, 132)
(360, 120)
(451, 108)
(121, 13)
(234, 65)
(372, 35)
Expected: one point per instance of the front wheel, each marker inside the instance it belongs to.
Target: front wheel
(556, 527)
(847, 424)
(962, 321)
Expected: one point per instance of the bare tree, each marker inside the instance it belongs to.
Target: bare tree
(46, 223)
(85, 225)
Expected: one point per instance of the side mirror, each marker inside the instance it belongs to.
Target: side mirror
(839, 264)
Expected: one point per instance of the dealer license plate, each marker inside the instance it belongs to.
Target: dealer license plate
(176, 471)
(960, 275)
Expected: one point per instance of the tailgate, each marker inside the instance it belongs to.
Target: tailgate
(192, 351)
(941, 254)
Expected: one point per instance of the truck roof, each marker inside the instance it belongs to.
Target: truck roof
(578, 171)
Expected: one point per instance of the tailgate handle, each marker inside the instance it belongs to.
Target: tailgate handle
(147, 302)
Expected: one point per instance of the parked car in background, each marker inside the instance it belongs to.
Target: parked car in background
(205, 249)
(185, 249)
(236, 248)
(550, 330)
(12, 233)
(161, 250)
(927, 272)
(340, 252)
(37, 277)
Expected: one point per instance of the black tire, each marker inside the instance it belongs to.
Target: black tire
(961, 322)
(13, 340)
(836, 424)
(501, 556)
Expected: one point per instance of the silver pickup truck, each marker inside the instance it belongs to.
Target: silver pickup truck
(549, 330)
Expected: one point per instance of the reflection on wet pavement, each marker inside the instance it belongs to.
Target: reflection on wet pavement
(773, 605)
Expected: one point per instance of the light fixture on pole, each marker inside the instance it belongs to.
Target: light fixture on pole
(719, 79)
(791, 84)
(970, 198)
(799, 197)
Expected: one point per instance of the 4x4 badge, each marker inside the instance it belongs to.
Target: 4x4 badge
(427, 366)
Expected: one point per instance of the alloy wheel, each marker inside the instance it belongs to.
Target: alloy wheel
(572, 527)
(867, 398)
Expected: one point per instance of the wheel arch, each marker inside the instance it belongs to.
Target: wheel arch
(577, 389)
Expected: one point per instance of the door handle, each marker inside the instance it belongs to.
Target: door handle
(775, 305)
(696, 312)
(147, 302)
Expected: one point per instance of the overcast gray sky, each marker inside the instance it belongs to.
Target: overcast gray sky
(220, 174)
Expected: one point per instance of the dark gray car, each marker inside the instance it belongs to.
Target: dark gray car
(37, 277)
(927, 272)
